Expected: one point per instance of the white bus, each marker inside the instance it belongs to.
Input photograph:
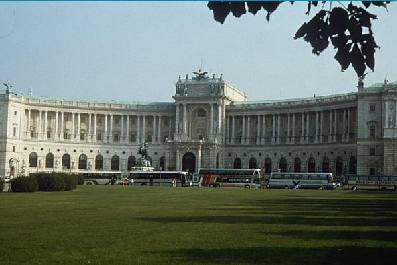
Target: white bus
(100, 177)
(301, 180)
(365, 182)
(158, 178)
(243, 178)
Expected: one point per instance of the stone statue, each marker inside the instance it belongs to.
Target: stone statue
(143, 161)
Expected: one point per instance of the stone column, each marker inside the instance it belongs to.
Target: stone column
(39, 126)
(177, 164)
(111, 129)
(335, 117)
(307, 126)
(344, 126)
(89, 134)
(258, 129)
(330, 127)
(56, 136)
(317, 128)
(288, 129)
(243, 137)
(122, 138)
(321, 126)
(128, 130)
(94, 136)
(154, 136)
(106, 129)
(28, 123)
(386, 114)
(263, 129)
(159, 131)
(348, 125)
(233, 129)
(73, 128)
(143, 128)
(278, 128)
(211, 118)
(45, 124)
(184, 119)
(274, 130)
(303, 127)
(293, 128)
(62, 124)
(248, 138)
(138, 129)
(78, 126)
(177, 119)
(219, 118)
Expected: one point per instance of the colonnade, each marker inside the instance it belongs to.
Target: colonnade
(317, 126)
(102, 127)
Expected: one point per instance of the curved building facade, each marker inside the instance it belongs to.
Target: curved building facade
(209, 124)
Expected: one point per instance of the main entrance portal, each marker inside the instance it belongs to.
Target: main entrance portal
(189, 162)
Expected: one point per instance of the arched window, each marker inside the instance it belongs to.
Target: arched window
(353, 165)
(311, 165)
(268, 165)
(49, 160)
(131, 162)
(162, 163)
(297, 165)
(237, 163)
(325, 166)
(115, 163)
(339, 166)
(252, 163)
(33, 159)
(66, 161)
(282, 165)
(82, 161)
(99, 162)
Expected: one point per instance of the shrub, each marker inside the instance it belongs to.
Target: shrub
(55, 181)
(1, 185)
(70, 181)
(24, 184)
(80, 179)
(50, 182)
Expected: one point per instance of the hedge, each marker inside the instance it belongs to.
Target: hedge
(1, 185)
(24, 184)
(55, 181)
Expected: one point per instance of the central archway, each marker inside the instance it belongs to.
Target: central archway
(189, 162)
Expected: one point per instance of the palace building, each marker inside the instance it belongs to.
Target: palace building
(209, 124)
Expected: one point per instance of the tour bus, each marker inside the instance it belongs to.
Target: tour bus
(301, 180)
(100, 177)
(215, 177)
(365, 182)
(158, 178)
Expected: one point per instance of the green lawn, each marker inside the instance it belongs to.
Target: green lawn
(152, 225)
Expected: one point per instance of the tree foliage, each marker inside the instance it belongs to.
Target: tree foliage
(347, 28)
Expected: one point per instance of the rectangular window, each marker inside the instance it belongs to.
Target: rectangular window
(372, 107)
(48, 134)
(372, 151)
(15, 113)
(372, 132)
(82, 136)
(99, 137)
(372, 171)
(14, 131)
(132, 138)
(13, 148)
(116, 138)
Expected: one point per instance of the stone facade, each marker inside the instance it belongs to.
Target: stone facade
(209, 124)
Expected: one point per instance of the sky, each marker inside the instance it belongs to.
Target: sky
(135, 51)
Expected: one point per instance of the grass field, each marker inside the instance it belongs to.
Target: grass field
(149, 225)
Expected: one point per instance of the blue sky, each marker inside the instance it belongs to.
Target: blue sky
(134, 51)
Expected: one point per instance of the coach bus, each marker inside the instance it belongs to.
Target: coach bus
(365, 182)
(159, 178)
(215, 177)
(301, 180)
(100, 177)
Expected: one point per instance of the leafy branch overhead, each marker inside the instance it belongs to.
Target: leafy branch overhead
(349, 29)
